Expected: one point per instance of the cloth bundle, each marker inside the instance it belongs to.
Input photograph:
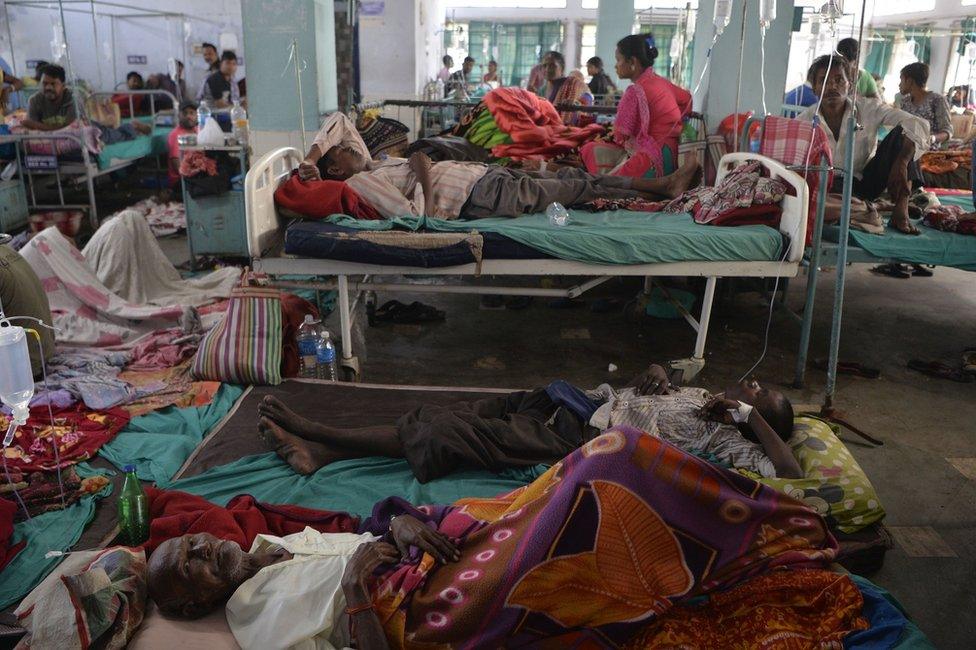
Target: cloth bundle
(41, 492)
(321, 199)
(382, 135)
(950, 218)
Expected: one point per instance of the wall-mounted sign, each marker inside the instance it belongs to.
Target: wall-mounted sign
(372, 7)
(136, 59)
(33, 63)
(41, 163)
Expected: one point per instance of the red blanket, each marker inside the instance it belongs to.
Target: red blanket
(535, 127)
(321, 199)
(79, 432)
(7, 552)
(175, 514)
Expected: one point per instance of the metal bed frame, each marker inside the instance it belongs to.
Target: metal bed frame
(84, 171)
(265, 234)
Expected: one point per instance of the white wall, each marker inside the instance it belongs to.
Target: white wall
(388, 52)
(157, 38)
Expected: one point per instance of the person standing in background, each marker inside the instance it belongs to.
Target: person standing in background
(600, 82)
(209, 51)
(188, 124)
(220, 89)
(445, 73)
(866, 87)
(492, 75)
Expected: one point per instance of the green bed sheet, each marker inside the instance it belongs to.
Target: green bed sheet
(140, 147)
(610, 237)
(931, 247)
(348, 486)
(159, 443)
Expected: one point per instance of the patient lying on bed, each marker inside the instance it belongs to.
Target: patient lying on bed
(448, 190)
(603, 522)
(745, 427)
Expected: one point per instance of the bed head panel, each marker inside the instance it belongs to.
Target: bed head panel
(795, 208)
(264, 177)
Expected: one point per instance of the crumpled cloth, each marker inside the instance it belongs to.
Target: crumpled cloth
(7, 550)
(41, 492)
(321, 199)
(741, 188)
(947, 218)
(197, 162)
(174, 514)
(89, 135)
(163, 218)
(164, 349)
(91, 376)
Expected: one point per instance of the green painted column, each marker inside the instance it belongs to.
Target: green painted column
(615, 19)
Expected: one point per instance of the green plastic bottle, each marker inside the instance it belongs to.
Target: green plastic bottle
(133, 510)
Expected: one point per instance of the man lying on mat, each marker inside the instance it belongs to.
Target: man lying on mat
(745, 427)
(634, 524)
(398, 187)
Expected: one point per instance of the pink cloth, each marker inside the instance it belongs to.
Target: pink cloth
(174, 151)
(163, 349)
(649, 120)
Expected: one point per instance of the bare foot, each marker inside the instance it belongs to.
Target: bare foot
(904, 224)
(274, 409)
(142, 127)
(684, 178)
(304, 457)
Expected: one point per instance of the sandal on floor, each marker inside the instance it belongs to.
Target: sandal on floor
(892, 271)
(396, 312)
(851, 368)
(940, 370)
(921, 271)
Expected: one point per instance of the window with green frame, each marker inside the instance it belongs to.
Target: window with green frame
(882, 44)
(663, 36)
(515, 47)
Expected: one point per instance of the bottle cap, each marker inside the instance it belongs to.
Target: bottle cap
(128, 469)
(309, 319)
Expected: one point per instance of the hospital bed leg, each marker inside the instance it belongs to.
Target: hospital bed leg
(349, 363)
(814, 269)
(691, 367)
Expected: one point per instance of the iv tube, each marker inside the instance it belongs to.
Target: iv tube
(723, 15)
(767, 12)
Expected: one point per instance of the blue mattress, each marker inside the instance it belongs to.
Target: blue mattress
(324, 240)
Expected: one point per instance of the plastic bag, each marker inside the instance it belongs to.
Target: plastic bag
(211, 135)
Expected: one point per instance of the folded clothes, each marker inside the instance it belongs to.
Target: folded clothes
(175, 513)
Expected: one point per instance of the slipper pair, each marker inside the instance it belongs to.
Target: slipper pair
(941, 370)
(902, 271)
(850, 368)
(396, 312)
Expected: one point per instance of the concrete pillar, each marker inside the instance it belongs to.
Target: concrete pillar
(615, 19)
(273, 107)
(718, 91)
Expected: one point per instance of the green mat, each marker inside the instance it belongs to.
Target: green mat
(348, 486)
(931, 247)
(610, 237)
(53, 531)
(159, 443)
(140, 147)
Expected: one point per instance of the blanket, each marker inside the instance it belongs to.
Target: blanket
(41, 492)
(629, 522)
(536, 129)
(320, 199)
(7, 549)
(128, 261)
(175, 514)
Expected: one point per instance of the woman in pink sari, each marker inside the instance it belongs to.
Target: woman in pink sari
(649, 118)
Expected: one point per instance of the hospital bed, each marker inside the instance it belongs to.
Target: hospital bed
(82, 167)
(266, 230)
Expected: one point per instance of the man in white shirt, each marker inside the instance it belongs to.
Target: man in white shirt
(745, 427)
(398, 187)
(296, 591)
(889, 165)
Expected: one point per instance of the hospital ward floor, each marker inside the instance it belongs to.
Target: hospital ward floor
(925, 473)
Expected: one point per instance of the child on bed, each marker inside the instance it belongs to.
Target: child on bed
(449, 190)
(745, 427)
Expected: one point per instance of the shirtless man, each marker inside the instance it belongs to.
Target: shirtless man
(746, 426)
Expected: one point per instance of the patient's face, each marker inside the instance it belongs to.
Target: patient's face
(834, 87)
(193, 574)
(750, 391)
(343, 162)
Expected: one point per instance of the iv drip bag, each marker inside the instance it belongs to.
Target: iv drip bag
(723, 15)
(767, 12)
(16, 376)
(832, 11)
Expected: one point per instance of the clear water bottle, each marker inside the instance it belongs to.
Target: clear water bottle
(238, 121)
(558, 215)
(16, 377)
(203, 114)
(308, 341)
(133, 510)
(325, 358)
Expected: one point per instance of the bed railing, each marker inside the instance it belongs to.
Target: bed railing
(152, 94)
(260, 184)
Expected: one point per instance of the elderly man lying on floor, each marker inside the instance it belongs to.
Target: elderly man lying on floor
(398, 187)
(745, 427)
(632, 524)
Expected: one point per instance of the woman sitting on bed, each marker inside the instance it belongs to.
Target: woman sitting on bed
(566, 89)
(629, 521)
(649, 118)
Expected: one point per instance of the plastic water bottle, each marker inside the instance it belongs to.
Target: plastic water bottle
(308, 341)
(558, 215)
(133, 510)
(238, 121)
(325, 358)
(16, 375)
(203, 114)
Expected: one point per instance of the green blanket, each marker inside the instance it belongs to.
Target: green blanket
(57, 530)
(931, 247)
(348, 486)
(611, 237)
(140, 147)
(159, 443)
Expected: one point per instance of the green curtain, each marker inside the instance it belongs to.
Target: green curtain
(514, 46)
(879, 53)
(663, 37)
(922, 35)
(968, 28)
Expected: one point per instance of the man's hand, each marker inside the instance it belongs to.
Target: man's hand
(409, 531)
(364, 561)
(308, 171)
(653, 381)
(717, 409)
(420, 163)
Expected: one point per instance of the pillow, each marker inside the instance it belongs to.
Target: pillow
(834, 484)
(208, 633)
(94, 599)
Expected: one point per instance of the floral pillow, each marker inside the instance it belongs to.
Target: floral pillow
(834, 484)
